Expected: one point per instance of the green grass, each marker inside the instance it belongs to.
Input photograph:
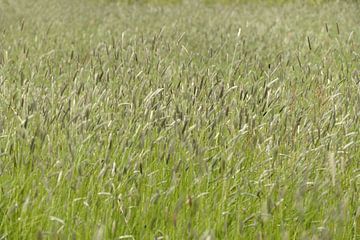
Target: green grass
(185, 121)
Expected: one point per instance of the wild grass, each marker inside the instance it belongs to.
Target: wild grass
(186, 121)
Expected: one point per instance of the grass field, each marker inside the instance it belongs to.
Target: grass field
(179, 121)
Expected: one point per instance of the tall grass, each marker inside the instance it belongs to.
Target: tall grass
(179, 121)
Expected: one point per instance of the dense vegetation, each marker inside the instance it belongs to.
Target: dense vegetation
(180, 121)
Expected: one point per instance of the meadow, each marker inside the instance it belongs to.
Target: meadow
(181, 120)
